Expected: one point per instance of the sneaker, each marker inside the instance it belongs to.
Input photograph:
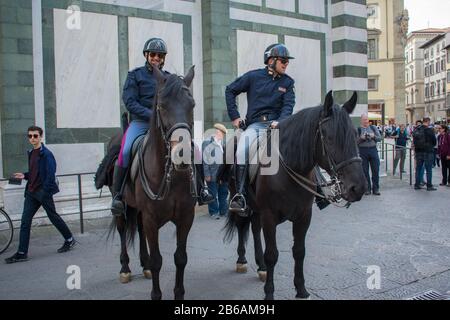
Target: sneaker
(17, 257)
(431, 188)
(442, 184)
(215, 216)
(68, 245)
(376, 192)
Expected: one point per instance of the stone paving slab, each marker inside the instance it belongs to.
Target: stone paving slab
(405, 233)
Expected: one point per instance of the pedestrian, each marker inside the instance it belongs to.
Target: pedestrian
(424, 142)
(437, 131)
(401, 139)
(368, 136)
(39, 190)
(213, 155)
(444, 154)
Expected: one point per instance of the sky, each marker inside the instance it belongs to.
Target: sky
(428, 13)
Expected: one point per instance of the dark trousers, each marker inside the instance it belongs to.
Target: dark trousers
(424, 159)
(400, 154)
(445, 171)
(370, 157)
(220, 194)
(33, 201)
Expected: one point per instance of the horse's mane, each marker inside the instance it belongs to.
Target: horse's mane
(175, 87)
(298, 135)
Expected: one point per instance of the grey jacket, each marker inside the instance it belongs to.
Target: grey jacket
(364, 141)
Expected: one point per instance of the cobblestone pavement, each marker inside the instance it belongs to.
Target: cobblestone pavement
(404, 233)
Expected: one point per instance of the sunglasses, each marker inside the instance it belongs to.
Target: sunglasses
(283, 60)
(33, 136)
(160, 55)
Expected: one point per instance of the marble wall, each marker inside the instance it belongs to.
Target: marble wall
(86, 71)
(76, 158)
(312, 7)
(286, 5)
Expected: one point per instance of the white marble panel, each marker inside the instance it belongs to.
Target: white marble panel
(254, 2)
(349, 33)
(286, 5)
(350, 58)
(87, 71)
(312, 7)
(78, 157)
(140, 30)
(349, 83)
(346, 7)
(250, 53)
(305, 69)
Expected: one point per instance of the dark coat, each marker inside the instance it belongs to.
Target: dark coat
(47, 170)
(444, 145)
(266, 95)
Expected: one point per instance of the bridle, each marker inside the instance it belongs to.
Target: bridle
(335, 171)
(166, 180)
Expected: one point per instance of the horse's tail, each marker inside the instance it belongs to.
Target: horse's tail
(235, 222)
(129, 224)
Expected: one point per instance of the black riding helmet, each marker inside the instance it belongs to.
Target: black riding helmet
(276, 50)
(156, 45)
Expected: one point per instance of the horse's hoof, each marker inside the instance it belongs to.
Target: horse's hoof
(262, 275)
(241, 267)
(147, 274)
(307, 298)
(125, 277)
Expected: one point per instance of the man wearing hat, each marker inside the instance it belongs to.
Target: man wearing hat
(213, 151)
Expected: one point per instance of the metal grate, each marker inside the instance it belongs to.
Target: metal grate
(430, 295)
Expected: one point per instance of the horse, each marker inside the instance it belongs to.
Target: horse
(104, 177)
(174, 181)
(323, 135)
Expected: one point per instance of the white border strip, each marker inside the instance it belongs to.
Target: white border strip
(349, 33)
(350, 8)
(349, 83)
(350, 59)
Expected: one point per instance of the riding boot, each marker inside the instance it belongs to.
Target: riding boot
(322, 203)
(117, 205)
(238, 203)
(204, 195)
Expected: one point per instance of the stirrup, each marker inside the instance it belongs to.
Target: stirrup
(240, 211)
(117, 207)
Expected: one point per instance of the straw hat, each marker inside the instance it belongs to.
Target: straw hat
(220, 127)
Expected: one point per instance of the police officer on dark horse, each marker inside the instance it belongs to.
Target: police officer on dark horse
(271, 98)
(139, 93)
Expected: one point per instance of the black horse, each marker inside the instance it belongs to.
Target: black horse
(324, 136)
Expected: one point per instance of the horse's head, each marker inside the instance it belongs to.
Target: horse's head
(174, 114)
(338, 152)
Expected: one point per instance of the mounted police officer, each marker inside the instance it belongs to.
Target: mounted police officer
(271, 98)
(138, 95)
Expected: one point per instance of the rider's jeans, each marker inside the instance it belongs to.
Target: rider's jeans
(246, 139)
(135, 129)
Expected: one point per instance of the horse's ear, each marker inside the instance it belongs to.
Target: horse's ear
(189, 76)
(350, 105)
(328, 104)
(160, 77)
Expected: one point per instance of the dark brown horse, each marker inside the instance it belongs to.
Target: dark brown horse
(324, 136)
(163, 190)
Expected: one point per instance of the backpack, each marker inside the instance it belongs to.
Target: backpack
(419, 138)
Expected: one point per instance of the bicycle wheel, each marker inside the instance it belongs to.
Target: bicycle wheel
(6, 231)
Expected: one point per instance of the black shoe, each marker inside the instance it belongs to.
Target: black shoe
(205, 196)
(68, 245)
(376, 192)
(17, 257)
(422, 184)
(367, 193)
(431, 188)
(417, 187)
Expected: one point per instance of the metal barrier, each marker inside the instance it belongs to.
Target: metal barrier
(80, 193)
(386, 148)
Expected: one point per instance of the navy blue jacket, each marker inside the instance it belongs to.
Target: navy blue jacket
(139, 93)
(47, 170)
(266, 95)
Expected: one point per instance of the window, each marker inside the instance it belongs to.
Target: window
(427, 73)
(407, 76)
(426, 55)
(372, 53)
(438, 49)
(443, 64)
(427, 90)
(412, 73)
(407, 99)
(412, 95)
(438, 87)
(438, 66)
(431, 68)
(448, 55)
(372, 84)
(432, 89)
(448, 100)
(432, 53)
(448, 76)
(412, 55)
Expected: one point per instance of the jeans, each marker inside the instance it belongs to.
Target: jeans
(135, 129)
(424, 159)
(400, 154)
(247, 138)
(33, 201)
(370, 156)
(220, 194)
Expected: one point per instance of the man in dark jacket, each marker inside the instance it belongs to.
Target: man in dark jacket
(39, 191)
(424, 141)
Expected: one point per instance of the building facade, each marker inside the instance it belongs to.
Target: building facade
(435, 78)
(63, 63)
(447, 98)
(414, 73)
(387, 26)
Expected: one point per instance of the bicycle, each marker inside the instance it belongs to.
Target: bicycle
(6, 230)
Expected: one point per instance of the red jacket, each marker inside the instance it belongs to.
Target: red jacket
(444, 145)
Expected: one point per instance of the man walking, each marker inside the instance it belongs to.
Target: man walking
(401, 139)
(39, 191)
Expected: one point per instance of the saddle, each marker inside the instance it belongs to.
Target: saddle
(137, 145)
